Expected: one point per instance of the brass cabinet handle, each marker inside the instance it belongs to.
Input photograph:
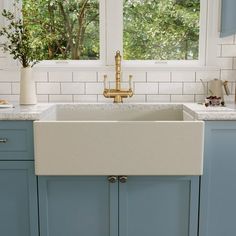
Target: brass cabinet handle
(123, 179)
(112, 179)
(3, 140)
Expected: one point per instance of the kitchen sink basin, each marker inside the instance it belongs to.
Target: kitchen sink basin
(110, 139)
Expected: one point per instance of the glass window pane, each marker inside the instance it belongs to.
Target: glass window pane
(161, 29)
(64, 29)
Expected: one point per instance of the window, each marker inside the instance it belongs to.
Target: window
(64, 29)
(161, 29)
(148, 31)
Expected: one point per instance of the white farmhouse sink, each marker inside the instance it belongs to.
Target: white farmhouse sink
(122, 139)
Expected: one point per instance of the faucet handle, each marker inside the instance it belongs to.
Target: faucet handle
(130, 82)
(105, 82)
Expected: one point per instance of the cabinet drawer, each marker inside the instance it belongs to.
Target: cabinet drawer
(16, 140)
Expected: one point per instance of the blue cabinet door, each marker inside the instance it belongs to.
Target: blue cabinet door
(78, 206)
(165, 206)
(18, 199)
(218, 183)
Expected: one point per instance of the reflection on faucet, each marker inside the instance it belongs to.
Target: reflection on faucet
(118, 94)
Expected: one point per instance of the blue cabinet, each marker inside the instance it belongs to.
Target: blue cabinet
(18, 199)
(78, 206)
(18, 183)
(218, 184)
(165, 206)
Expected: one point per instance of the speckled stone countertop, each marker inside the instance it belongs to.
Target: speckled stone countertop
(29, 112)
(197, 111)
(200, 112)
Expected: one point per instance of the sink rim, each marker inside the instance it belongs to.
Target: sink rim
(117, 112)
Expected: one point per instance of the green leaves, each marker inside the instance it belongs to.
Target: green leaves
(17, 39)
(69, 29)
(161, 29)
(64, 29)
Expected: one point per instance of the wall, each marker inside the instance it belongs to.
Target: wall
(58, 85)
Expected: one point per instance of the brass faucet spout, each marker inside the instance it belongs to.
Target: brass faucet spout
(118, 94)
(118, 70)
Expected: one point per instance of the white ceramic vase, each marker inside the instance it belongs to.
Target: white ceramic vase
(27, 87)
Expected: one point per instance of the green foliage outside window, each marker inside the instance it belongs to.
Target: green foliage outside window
(161, 29)
(153, 29)
(64, 29)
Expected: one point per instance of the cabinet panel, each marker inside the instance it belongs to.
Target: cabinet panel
(18, 199)
(158, 206)
(16, 140)
(78, 206)
(218, 184)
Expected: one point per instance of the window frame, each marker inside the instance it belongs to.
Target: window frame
(111, 40)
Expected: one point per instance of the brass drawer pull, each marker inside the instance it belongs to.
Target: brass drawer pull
(3, 140)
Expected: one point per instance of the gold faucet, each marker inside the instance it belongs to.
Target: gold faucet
(118, 94)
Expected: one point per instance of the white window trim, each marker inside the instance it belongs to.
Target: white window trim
(111, 30)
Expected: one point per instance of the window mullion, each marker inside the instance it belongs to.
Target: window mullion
(114, 29)
(203, 32)
(102, 30)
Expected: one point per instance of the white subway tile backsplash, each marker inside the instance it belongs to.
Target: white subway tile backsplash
(15, 88)
(94, 88)
(60, 98)
(85, 98)
(225, 63)
(110, 76)
(84, 76)
(9, 76)
(158, 98)
(234, 63)
(10, 98)
(102, 99)
(124, 85)
(183, 76)
(158, 76)
(48, 88)
(72, 88)
(40, 76)
(139, 76)
(149, 86)
(229, 75)
(5, 88)
(182, 98)
(194, 88)
(146, 88)
(207, 75)
(135, 99)
(43, 98)
(228, 50)
(60, 76)
(170, 88)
